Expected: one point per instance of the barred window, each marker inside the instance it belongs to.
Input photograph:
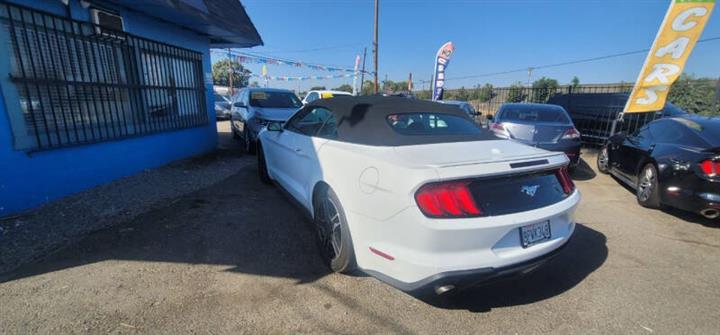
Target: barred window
(71, 83)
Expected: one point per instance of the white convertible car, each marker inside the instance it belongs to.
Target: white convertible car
(415, 194)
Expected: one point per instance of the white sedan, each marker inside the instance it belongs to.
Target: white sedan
(415, 194)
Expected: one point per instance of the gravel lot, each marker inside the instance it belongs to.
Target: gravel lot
(237, 257)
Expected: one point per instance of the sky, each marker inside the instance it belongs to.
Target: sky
(489, 37)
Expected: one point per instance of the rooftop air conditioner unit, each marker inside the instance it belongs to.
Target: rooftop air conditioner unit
(107, 24)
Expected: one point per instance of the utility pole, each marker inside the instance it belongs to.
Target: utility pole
(530, 70)
(529, 85)
(717, 95)
(375, 43)
(362, 74)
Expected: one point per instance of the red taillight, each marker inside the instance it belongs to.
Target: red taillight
(564, 177)
(710, 168)
(571, 134)
(451, 199)
(497, 127)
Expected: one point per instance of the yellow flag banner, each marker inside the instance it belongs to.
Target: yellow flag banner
(679, 32)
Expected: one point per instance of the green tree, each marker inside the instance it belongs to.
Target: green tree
(485, 93)
(388, 86)
(575, 82)
(424, 94)
(368, 88)
(516, 93)
(543, 89)
(401, 86)
(461, 94)
(318, 88)
(695, 95)
(221, 73)
(344, 88)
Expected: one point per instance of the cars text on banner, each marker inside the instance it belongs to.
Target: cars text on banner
(680, 30)
(442, 59)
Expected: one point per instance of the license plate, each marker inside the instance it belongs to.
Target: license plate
(534, 233)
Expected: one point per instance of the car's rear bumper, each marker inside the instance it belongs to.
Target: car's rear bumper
(571, 149)
(416, 252)
(462, 279)
(691, 200)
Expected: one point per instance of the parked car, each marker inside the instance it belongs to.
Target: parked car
(671, 161)
(255, 108)
(222, 107)
(464, 105)
(416, 194)
(540, 125)
(322, 94)
(593, 113)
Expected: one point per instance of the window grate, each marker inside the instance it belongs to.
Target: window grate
(78, 86)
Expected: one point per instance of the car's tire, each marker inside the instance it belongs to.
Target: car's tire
(248, 145)
(234, 131)
(648, 187)
(333, 235)
(262, 166)
(603, 160)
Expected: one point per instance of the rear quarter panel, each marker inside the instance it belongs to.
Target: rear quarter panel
(368, 181)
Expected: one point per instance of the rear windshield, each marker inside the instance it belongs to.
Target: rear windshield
(274, 99)
(708, 130)
(432, 124)
(533, 114)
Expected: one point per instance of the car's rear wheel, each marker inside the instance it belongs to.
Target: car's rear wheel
(247, 142)
(603, 160)
(648, 190)
(262, 166)
(333, 234)
(234, 131)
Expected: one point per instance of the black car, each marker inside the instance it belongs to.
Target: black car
(541, 125)
(593, 113)
(671, 161)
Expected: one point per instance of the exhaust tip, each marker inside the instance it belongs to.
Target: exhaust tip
(439, 290)
(710, 213)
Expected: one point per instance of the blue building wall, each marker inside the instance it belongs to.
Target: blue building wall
(30, 180)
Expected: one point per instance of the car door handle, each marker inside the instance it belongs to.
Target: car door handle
(298, 150)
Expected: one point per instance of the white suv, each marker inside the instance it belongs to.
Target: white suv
(315, 95)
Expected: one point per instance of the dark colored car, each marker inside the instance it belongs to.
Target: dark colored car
(593, 114)
(540, 125)
(254, 108)
(671, 161)
(222, 107)
(464, 105)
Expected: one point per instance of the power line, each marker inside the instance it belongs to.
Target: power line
(579, 61)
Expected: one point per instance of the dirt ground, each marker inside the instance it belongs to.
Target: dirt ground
(238, 257)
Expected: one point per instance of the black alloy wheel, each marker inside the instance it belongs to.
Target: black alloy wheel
(648, 193)
(603, 160)
(333, 235)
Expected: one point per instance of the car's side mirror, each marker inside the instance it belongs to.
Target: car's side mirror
(275, 126)
(490, 117)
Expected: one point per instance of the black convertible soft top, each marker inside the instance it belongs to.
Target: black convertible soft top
(364, 120)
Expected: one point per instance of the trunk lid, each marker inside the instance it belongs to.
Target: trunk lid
(503, 176)
(444, 155)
